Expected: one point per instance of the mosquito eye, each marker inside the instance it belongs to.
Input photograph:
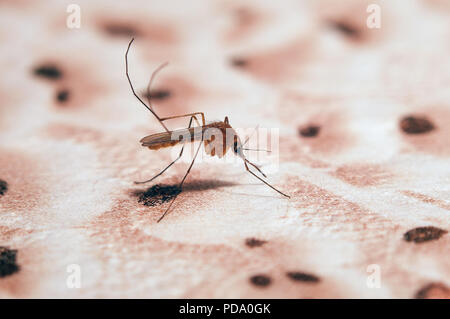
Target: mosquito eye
(235, 147)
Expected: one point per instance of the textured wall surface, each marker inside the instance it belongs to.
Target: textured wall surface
(363, 117)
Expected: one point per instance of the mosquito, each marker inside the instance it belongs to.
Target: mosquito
(200, 134)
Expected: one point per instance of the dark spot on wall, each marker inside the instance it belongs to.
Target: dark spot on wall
(253, 242)
(433, 291)
(3, 187)
(416, 125)
(176, 93)
(333, 136)
(48, 71)
(309, 130)
(346, 28)
(8, 264)
(423, 234)
(427, 130)
(303, 277)
(239, 62)
(124, 24)
(160, 94)
(157, 194)
(260, 280)
(62, 95)
(120, 29)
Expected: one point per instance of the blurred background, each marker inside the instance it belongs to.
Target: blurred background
(357, 89)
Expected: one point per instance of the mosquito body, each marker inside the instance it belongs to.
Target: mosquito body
(225, 134)
(217, 137)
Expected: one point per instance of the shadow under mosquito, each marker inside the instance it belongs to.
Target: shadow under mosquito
(161, 193)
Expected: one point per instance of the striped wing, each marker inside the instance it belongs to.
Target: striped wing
(157, 138)
(166, 139)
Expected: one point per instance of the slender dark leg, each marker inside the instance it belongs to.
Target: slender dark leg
(184, 178)
(179, 156)
(134, 92)
(160, 173)
(185, 115)
(245, 142)
(259, 170)
(151, 81)
(248, 170)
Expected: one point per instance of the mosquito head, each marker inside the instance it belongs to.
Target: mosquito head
(232, 139)
(237, 147)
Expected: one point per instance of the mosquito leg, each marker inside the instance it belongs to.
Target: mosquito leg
(248, 170)
(255, 166)
(162, 172)
(151, 81)
(179, 156)
(134, 92)
(245, 142)
(185, 115)
(182, 181)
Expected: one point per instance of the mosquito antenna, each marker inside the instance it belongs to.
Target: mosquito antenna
(256, 150)
(151, 81)
(134, 92)
(248, 137)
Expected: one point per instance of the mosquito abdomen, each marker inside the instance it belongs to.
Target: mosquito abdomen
(168, 139)
(162, 145)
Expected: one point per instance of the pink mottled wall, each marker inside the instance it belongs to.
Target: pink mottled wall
(363, 117)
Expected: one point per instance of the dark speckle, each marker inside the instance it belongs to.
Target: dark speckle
(309, 131)
(8, 264)
(433, 291)
(416, 125)
(62, 95)
(346, 28)
(157, 195)
(239, 62)
(423, 234)
(260, 280)
(120, 30)
(301, 276)
(253, 242)
(49, 71)
(3, 187)
(159, 94)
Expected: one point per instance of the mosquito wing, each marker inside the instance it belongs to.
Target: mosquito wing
(167, 139)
